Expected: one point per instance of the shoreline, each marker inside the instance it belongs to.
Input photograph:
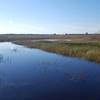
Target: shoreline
(89, 51)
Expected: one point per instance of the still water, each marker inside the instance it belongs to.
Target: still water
(33, 74)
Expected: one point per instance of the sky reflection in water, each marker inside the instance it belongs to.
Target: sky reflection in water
(33, 74)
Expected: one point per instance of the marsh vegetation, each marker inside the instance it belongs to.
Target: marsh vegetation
(75, 45)
(84, 50)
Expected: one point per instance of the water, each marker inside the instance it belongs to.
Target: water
(33, 74)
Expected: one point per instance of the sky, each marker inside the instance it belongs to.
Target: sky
(49, 16)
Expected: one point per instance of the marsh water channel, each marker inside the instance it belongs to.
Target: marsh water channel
(33, 74)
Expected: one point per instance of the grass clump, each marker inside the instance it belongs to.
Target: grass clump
(93, 55)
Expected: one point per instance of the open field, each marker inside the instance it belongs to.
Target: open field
(73, 37)
(83, 46)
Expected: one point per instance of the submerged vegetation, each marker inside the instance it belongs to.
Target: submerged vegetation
(85, 50)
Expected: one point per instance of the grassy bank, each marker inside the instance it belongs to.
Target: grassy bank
(84, 50)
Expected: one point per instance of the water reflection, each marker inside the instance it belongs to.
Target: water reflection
(32, 74)
(5, 60)
(77, 76)
(14, 49)
(1, 58)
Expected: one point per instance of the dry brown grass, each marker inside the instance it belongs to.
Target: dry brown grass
(89, 51)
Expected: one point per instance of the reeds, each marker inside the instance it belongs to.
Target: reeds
(89, 51)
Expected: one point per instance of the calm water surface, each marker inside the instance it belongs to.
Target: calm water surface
(33, 74)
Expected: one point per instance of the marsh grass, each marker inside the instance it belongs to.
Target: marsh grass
(85, 50)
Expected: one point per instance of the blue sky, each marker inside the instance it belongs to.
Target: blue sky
(49, 16)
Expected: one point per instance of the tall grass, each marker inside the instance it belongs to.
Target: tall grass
(89, 51)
